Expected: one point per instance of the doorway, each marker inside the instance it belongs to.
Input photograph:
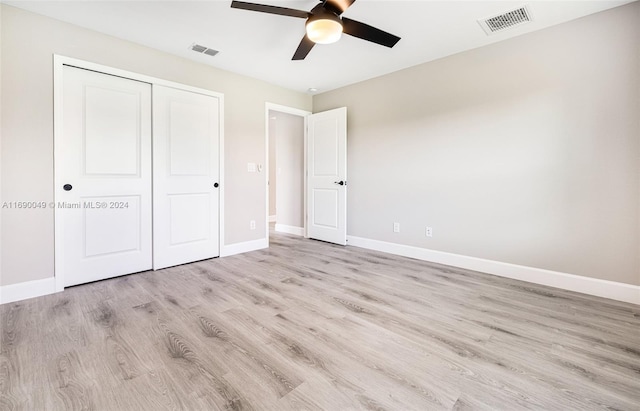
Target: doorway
(286, 169)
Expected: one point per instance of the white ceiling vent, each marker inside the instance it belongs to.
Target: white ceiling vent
(506, 20)
(202, 49)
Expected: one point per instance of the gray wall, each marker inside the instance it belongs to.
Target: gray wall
(28, 44)
(526, 151)
(289, 139)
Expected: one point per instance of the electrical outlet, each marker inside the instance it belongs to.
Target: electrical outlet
(429, 232)
(396, 227)
(252, 224)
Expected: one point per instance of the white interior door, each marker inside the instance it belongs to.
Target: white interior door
(327, 176)
(186, 136)
(103, 177)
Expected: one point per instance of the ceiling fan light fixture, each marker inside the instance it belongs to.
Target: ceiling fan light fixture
(324, 30)
(324, 24)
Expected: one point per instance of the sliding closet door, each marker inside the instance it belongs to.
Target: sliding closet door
(103, 177)
(186, 135)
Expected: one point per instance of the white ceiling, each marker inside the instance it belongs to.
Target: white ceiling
(261, 45)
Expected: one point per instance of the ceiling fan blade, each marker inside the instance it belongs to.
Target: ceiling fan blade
(282, 11)
(337, 6)
(303, 49)
(369, 33)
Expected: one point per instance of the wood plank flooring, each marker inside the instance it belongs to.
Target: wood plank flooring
(307, 325)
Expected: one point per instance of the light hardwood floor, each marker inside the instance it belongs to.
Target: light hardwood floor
(306, 325)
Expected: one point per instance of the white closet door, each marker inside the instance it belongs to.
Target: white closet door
(186, 134)
(103, 177)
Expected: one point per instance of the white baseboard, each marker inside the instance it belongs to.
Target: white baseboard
(289, 229)
(586, 285)
(272, 219)
(244, 247)
(592, 286)
(28, 289)
(37, 288)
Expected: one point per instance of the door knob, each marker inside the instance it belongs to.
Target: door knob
(341, 183)
(67, 187)
(216, 185)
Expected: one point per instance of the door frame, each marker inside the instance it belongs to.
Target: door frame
(296, 112)
(59, 62)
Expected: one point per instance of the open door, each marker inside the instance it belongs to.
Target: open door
(327, 176)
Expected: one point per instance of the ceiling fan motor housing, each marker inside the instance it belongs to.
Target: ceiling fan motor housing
(323, 26)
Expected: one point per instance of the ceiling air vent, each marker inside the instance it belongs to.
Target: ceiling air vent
(202, 49)
(506, 20)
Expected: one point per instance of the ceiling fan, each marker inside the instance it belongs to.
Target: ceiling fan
(324, 24)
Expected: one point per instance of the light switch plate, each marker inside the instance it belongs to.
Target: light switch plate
(251, 167)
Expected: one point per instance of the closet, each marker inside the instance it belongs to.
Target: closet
(137, 168)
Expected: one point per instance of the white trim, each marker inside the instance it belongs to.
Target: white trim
(59, 61)
(305, 226)
(28, 289)
(0, 167)
(58, 64)
(296, 112)
(267, 169)
(586, 285)
(286, 109)
(289, 229)
(244, 247)
(221, 186)
(272, 219)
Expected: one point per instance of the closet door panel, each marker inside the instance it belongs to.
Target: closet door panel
(186, 133)
(103, 177)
